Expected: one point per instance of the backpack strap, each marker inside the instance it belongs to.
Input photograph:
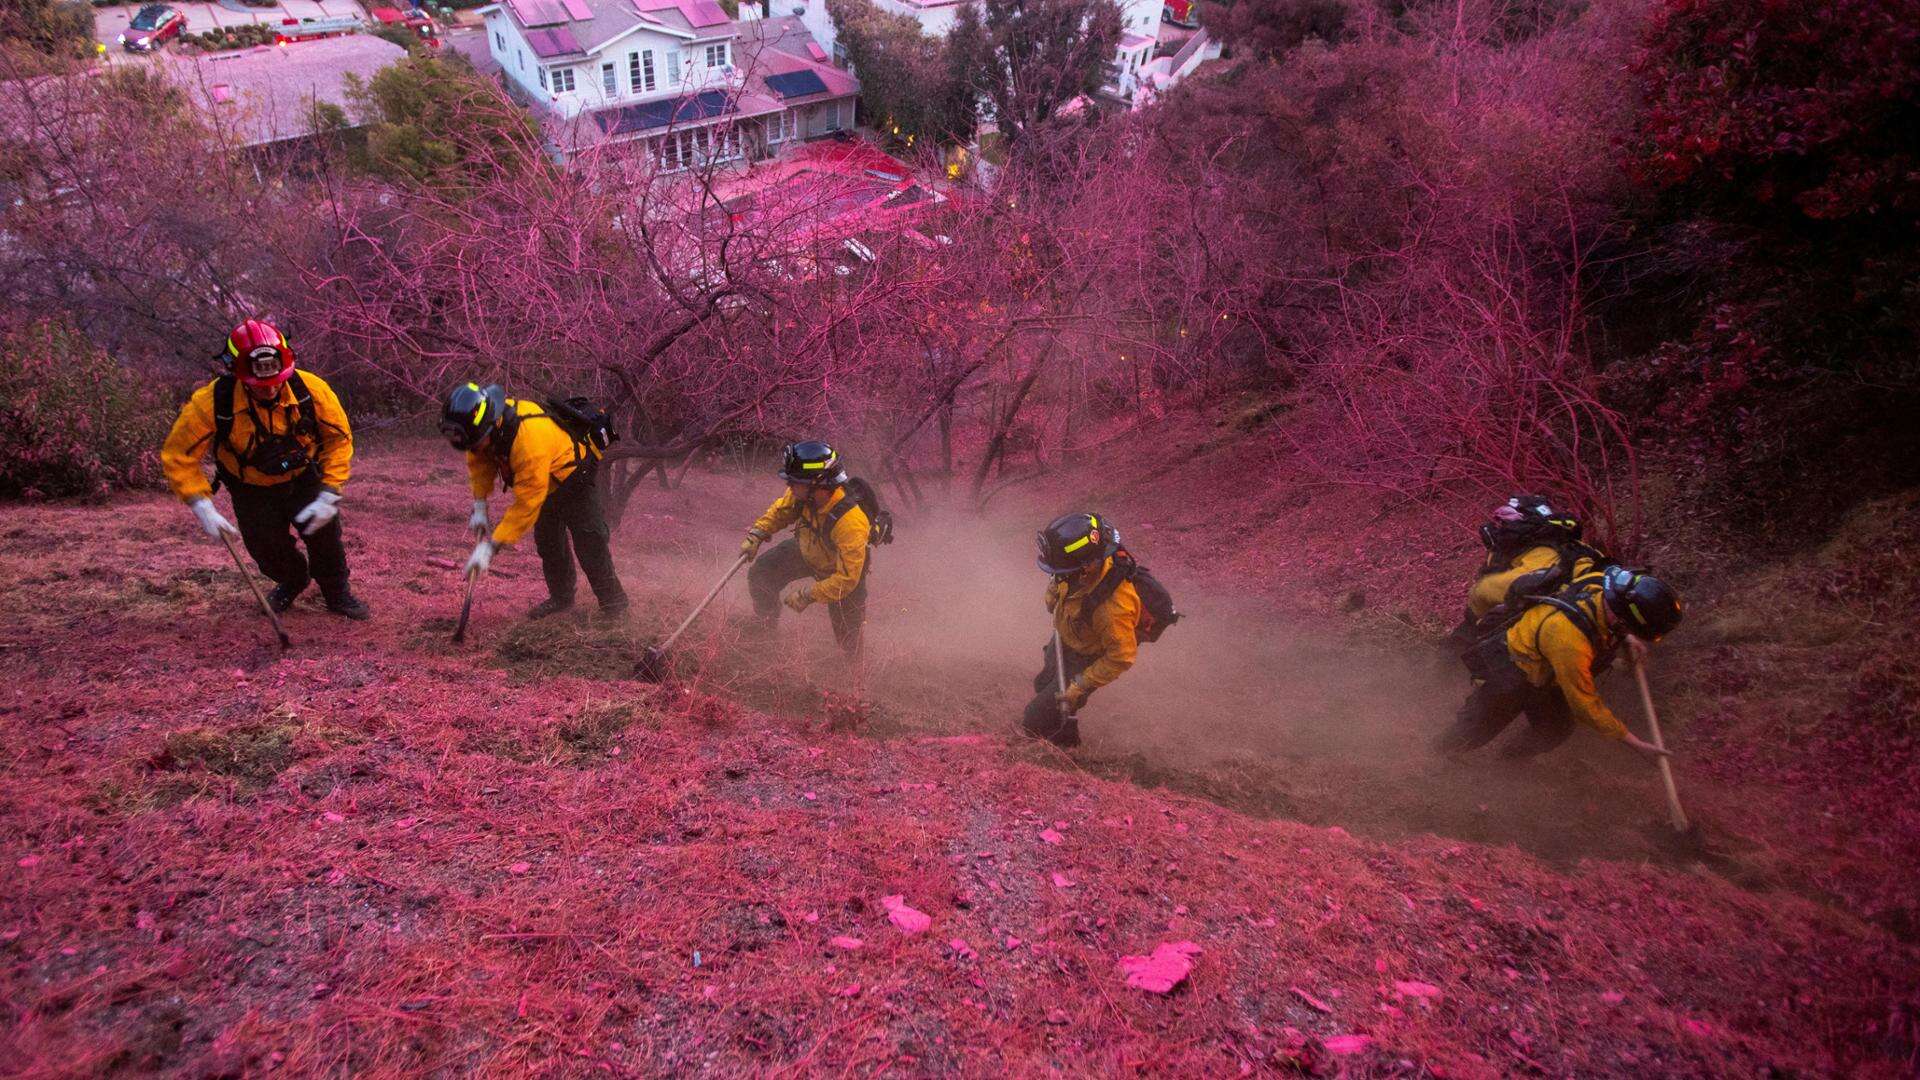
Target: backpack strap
(1568, 604)
(1103, 590)
(854, 488)
(223, 410)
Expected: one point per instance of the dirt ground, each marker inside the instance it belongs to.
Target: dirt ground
(386, 852)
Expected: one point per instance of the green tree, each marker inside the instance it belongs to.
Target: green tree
(1027, 58)
(435, 121)
(910, 86)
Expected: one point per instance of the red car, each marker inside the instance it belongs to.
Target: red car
(152, 25)
(1181, 12)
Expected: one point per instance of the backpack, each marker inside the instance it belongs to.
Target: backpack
(585, 421)
(1156, 603)
(1490, 632)
(861, 494)
(308, 424)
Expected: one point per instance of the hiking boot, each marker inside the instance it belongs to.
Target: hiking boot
(350, 606)
(549, 606)
(280, 598)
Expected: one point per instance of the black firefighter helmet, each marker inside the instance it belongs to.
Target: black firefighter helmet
(1072, 543)
(1648, 607)
(472, 410)
(812, 463)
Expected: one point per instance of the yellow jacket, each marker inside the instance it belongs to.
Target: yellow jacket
(181, 456)
(1490, 591)
(1550, 650)
(541, 458)
(1111, 633)
(837, 560)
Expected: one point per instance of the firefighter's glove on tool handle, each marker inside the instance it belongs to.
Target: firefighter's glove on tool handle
(210, 519)
(478, 522)
(482, 556)
(1071, 698)
(750, 547)
(324, 508)
(800, 597)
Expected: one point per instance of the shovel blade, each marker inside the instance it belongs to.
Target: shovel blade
(652, 665)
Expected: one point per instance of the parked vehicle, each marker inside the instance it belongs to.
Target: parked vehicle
(152, 25)
(1181, 12)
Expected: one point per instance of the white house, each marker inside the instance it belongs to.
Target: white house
(673, 73)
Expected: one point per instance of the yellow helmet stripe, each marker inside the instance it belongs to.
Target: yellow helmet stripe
(480, 411)
(813, 464)
(1076, 545)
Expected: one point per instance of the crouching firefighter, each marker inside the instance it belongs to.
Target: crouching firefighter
(1104, 605)
(547, 456)
(1533, 548)
(836, 521)
(283, 448)
(1543, 663)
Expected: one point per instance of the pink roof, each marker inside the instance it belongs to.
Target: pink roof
(577, 9)
(267, 94)
(698, 13)
(814, 50)
(776, 62)
(538, 12)
(1130, 42)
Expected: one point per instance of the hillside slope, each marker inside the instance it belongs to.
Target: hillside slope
(384, 851)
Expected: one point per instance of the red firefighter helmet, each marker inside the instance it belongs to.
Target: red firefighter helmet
(261, 355)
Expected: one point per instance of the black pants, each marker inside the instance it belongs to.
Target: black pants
(1502, 694)
(265, 515)
(574, 510)
(1043, 719)
(782, 565)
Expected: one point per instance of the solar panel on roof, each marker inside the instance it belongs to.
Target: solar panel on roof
(577, 9)
(795, 84)
(658, 114)
(553, 41)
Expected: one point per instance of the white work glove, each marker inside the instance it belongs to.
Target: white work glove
(322, 509)
(478, 522)
(482, 556)
(210, 519)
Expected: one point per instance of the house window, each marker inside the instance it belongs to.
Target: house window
(699, 146)
(563, 80)
(523, 59)
(640, 71)
(499, 42)
(543, 78)
(783, 127)
(609, 80)
(717, 55)
(673, 65)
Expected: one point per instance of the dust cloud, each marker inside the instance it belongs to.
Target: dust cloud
(1238, 703)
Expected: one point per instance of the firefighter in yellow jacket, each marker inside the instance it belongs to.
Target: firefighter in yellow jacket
(1545, 663)
(826, 556)
(1097, 613)
(283, 448)
(551, 475)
